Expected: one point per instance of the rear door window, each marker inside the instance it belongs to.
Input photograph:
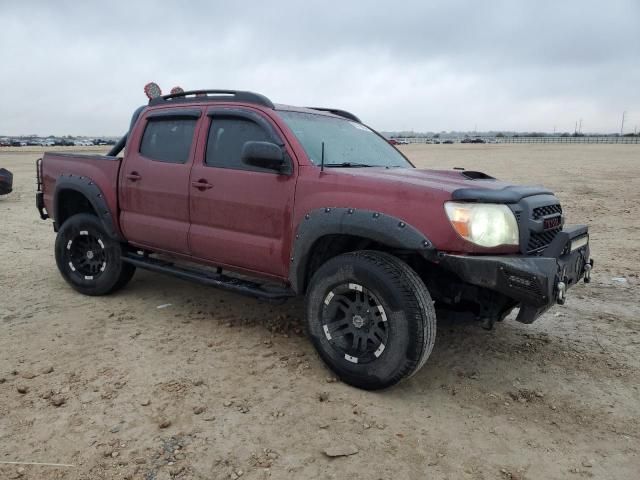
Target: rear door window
(168, 139)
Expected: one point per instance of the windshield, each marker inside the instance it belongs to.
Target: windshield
(346, 143)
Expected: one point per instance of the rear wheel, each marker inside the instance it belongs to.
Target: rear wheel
(89, 259)
(370, 318)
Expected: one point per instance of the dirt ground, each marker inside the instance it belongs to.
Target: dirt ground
(218, 386)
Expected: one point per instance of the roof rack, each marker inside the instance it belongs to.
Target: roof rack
(215, 95)
(340, 113)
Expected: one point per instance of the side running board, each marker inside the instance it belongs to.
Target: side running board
(269, 293)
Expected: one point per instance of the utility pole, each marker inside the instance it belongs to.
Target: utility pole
(622, 123)
(580, 127)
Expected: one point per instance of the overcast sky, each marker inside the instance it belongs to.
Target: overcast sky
(71, 67)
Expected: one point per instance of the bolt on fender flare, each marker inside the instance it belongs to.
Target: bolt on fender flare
(92, 193)
(377, 226)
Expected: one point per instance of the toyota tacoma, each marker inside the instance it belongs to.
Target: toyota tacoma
(231, 190)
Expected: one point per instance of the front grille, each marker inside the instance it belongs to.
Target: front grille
(538, 241)
(540, 212)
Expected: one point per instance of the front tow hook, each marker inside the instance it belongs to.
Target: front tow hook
(562, 293)
(587, 271)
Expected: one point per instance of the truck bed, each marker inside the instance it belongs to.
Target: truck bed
(101, 169)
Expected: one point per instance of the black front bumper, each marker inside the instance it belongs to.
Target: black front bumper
(535, 282)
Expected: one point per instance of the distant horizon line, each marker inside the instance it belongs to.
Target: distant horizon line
(397, 133)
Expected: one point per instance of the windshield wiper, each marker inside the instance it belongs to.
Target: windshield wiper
(347, 165)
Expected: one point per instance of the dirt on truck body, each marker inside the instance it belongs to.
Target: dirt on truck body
(230, 190)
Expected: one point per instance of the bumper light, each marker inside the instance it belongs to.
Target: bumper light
(485, 224)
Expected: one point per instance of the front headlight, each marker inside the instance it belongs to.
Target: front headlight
(485, 224)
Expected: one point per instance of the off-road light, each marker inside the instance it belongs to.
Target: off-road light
(175, 90)
(485, 224)
(152, 90)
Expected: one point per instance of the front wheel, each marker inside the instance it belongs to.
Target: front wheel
(370, 318)
(88, 258)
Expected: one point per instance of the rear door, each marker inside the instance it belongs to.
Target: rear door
(154, 180)
(240, 214)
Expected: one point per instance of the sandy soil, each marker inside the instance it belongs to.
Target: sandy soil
(216, 385)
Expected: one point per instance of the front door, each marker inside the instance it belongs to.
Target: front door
(240, 214)
(154, 181)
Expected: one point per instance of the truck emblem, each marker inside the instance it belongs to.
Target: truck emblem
(552, 222)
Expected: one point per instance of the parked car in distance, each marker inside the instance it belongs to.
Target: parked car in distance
(6, 181)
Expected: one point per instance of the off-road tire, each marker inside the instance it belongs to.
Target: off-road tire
(88, 258)
(409, 329)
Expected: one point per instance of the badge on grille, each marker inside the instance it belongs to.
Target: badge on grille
(552, 222)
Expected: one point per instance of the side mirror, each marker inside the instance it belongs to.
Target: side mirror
(263, 155)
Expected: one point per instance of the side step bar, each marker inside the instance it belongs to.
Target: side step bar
(272, 294)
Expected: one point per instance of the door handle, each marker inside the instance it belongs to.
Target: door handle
(134, 177)
(202, 184)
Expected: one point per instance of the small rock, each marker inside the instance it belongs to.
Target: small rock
(47, 370)
(115, 429)
(587, 463)
(28, 375)
(58, 400)
(114, 454)
(198, 382)
(228, 403)
(145, 403)
(22, 389)
(198, 410)
(341, 451)
(164, 423)
(323, 396)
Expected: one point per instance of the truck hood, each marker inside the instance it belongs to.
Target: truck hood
(462, 185)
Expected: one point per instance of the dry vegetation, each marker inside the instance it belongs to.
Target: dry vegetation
(219, 386)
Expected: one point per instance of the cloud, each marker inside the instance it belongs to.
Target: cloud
(79, 68)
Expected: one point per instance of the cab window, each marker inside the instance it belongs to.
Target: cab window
(227, 136)
(168, 139)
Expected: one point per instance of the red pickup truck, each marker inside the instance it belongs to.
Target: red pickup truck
(274, 201)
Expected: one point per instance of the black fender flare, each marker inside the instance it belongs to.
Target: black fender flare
(88, 188)
(379, 227)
